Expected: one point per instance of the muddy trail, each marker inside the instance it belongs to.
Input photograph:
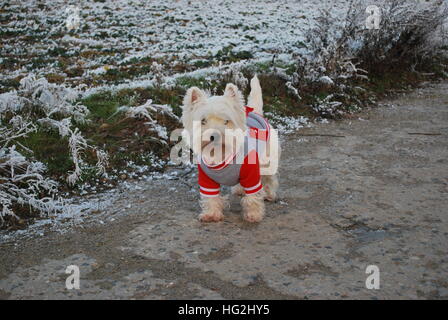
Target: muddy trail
(374, 191)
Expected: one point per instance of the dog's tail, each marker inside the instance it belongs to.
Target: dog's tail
(255, 97)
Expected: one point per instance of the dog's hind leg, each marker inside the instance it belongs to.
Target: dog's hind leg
(255, 97)
(238, 190)
(270, 186)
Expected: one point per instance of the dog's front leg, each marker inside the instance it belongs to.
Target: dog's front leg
(212, 209)
(253, 207)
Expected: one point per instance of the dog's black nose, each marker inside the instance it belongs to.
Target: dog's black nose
(212, 138)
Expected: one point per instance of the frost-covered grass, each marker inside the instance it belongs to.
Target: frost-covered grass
(50, 141)
(119, 40)
(87, 104)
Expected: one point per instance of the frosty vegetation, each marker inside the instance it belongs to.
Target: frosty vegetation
(344, 53)
(40, 105)
(111, 85)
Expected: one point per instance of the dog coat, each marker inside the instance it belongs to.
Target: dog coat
(231, 172)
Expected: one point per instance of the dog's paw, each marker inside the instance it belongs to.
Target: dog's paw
(269, 194)
(211, 217)
(270, 197)
(253, 216)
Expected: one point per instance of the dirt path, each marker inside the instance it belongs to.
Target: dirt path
(378, 196)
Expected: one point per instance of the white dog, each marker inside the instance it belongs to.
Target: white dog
(234, 145)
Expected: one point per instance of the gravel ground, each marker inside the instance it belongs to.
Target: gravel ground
(376, 196)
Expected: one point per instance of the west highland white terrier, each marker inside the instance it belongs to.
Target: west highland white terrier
(234, 146)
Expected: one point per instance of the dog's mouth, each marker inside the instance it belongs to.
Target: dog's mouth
(205, 144)
(212, 139)
(214, 153)
(215, 149)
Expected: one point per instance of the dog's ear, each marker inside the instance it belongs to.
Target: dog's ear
(233, 93)
(193, 96)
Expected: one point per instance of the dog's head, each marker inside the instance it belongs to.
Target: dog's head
(208, 119)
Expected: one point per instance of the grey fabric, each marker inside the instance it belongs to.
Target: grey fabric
(230, 175)
(254, 120)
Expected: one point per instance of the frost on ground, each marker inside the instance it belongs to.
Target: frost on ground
(117, 41)
(115, 44)
(99, 208)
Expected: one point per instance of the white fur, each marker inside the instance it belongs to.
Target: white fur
(204, 117)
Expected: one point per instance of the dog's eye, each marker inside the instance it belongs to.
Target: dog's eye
(203, 121)
(226, 122)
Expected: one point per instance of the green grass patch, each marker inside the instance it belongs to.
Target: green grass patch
(227, 54)
(52, 150)
(103, 105)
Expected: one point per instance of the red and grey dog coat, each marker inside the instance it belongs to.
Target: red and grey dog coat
(231, 172)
